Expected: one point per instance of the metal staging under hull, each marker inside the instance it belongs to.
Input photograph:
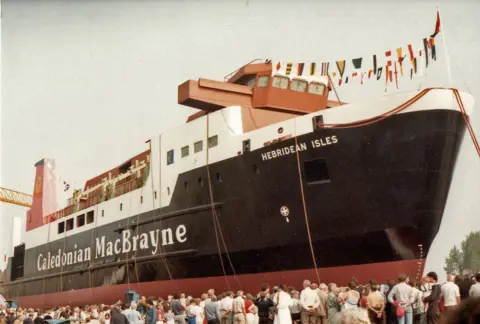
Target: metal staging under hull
(380, 194)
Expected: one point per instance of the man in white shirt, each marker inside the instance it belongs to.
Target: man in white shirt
(226, 306)
(450, 293)
(475, 289)
(404, 296)
(238, 308)
(310, 301)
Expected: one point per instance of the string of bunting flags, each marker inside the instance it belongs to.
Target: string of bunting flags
(404, 61)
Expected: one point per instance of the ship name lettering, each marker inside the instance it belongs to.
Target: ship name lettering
(316, 143)
(125, 244)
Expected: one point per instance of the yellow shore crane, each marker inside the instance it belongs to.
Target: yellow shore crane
(15, 197)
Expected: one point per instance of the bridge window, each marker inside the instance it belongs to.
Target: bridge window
(61, 227)
(316, 171)
(263, 81)
(197, 146)
(251, 83)
(80, 220)
(298, 85)
(316, 88)
(90, 217)
(280, 82)
(185, 151)
(212, 141)
(169, 157)
(69, 223)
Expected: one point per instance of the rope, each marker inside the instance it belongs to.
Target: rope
(162, 255)
(467, 121)
(214, 216)
(372, 120)
(334, 89)
(446, 51)
(312, 250)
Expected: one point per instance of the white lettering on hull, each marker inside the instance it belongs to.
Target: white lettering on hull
(286, 150)
(127, 243)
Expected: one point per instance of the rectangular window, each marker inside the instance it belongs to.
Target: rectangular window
(90, 217)
(212, 141)
(103, 212)
(263, 81)
(316, 88)
(317, 122)
(169, 157)
(280, 82)
(298, 85)
(197, 146)
(251, 83)
(246, 146)
(316, 171)
(80, 220)
(69, 223)
(185, 151)
(61, 227)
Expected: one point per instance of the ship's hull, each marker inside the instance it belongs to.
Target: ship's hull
(373, 211)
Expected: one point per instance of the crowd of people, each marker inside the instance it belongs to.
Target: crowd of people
(401, 302)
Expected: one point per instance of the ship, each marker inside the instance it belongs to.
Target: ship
(269, 182)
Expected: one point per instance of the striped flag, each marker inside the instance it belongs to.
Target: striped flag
(325, 67)
(289, 68)
(437, 25)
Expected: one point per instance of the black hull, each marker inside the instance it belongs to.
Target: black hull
(387, 191)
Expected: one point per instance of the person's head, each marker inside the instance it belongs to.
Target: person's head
(332, 287)
(150, 303)
(240, 293)
(275, 289)
(450, 278)
(352, 284)
(390, 283)
(283, 287)
(193, 302)
(211, 292)
(306, 283)
(313, 286)
(432, 277)
(402, 277)
(477, 277)
(204, 296)
(182, 295)
(213, 298)
(323, 287)
(133, 305)
(107, 316)
(263, 294)
(295, 294)
(249, 297)
(265, 287)
(230, 293)
(176, 296)
(458, 279)
(166, 307)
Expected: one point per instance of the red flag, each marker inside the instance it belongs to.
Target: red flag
(437, 25)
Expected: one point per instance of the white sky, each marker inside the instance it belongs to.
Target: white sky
(87, 82)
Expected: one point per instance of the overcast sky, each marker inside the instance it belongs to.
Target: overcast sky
(87, 82)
